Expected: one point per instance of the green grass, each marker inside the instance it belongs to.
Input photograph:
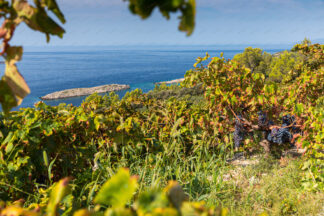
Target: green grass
(246, 187)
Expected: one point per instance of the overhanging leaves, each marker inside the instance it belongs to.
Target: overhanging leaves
(52, 6)
(37, 19)
(187, 8)
(13, 86)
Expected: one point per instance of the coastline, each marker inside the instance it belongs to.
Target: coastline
(77, 92)
(170, 81)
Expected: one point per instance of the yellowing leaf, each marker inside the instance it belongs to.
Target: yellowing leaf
(82, 212)
(118, 190)
(15, 80)
(17, 211)
(37, 19)
(60, 190)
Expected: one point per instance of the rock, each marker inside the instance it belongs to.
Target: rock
(170, 82)
(76, 92)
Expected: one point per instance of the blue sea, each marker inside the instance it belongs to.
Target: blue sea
(47, 71)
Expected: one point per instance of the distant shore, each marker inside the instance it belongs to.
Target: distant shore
(171, 81)
(76, 92)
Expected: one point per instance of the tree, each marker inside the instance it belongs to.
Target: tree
(255, 59)
(282, 66)
(306, 41)
(13, 87)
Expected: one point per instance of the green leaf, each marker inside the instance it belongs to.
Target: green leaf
(7, 97)
(8, 138)
(144, 9)
(13, 87)
(58, 193)
(45, 158)
(52, 6)
(16, 82)
(37, 19)
(119, 212)
(150, 200)
(118, 190)
(49, 170)
(9, 147)
(187, 20)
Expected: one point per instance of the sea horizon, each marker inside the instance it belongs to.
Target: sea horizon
(52, 69)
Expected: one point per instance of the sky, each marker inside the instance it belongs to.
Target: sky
(218, 22)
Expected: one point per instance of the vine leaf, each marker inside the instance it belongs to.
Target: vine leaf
(52, 6)
(37, 19)
(13, 86)
(7, 98)
(60, 190)
(187, 19)
(144, 9)
(118, 190)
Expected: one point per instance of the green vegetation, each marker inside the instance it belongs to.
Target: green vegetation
(187, 8)
(255, 59)
(181, 133)
(172, 134)
(282, 66)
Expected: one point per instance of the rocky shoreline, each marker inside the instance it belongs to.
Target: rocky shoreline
(76, 92)
(170, 82)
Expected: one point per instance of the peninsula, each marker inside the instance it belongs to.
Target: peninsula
(76, 92)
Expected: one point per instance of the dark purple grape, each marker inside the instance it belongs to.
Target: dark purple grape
(239, 132)
(280, 135)
(262, 120)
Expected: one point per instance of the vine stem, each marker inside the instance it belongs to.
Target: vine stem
(17, 189)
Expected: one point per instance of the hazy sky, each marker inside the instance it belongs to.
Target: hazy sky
(218, 22)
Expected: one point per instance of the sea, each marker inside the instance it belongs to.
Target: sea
(50, 70)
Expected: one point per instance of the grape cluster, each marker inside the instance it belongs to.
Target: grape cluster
(280, 135)
(262, 120)
(291, 121)
(288, 119)
(239, 132)
(285, 133)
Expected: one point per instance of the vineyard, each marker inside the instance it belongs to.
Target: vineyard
(58, 160)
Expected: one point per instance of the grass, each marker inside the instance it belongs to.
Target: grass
(246, 186)
(272, 186)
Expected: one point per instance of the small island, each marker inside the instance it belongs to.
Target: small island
(76, 92)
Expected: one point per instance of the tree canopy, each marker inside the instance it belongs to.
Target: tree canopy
(255, 59)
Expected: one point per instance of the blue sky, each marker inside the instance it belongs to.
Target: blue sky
(218, 22)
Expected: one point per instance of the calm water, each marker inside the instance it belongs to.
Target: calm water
(49, 71)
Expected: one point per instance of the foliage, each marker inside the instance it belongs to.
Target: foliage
(233, 90)
(255, 59)
(161, 138)
(51, 142)
(13, 87)
(113, 196)
(187, 8)
(282, 66)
